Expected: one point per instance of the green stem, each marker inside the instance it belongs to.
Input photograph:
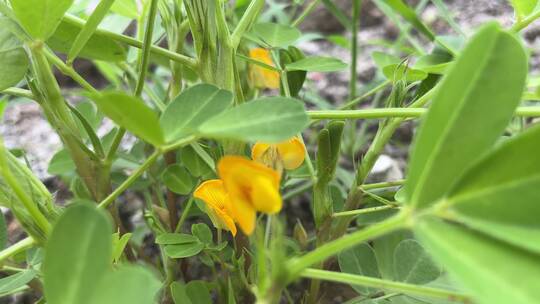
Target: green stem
(18, 93)
(364, 211)
(518, 26)
(16, 248)
(188, 61)
(305, 13)
(532, 111)
(296, 266)
(69, 71)
(382, 185)
(400, 287)
(248, 19)
(184, 215)
(146, 48)
(358, 99)
(294, 192)
(144, 166)
(354, 47)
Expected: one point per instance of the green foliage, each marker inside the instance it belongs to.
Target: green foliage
(269, 119)
(131, 113)
(192, 108)
(442, 153)
(40, 18)
(15, 282)
(360, 260)
(3, 232)
(13, 60)
(178, 179)
(276, 35)
(317, 64)
(524, 8)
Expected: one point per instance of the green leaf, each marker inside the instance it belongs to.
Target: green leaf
(203, 233)
(77, 255)
(493, 272)
(179, 294)
(16, 281)
(179, 251)
(410, 15)
(89, 28)
(385, 247)
(269, 119)
(40, 18)
(175, 238)
(178, 179)
(457, 128)
(191, 108)
(61, 163)
(126, 8)
(193, 162)
(499, 195)
(3, 232)
(412, 264)
(119, 244)
(276, 35)
(127, 285)
(360, 260)
(131, 113)
(396, 72)
(98, 46)
(13, 60)
(198, 292)
(524, 8)
(317, 64)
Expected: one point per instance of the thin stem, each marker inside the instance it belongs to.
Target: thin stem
(532, 111)
(296, 266)
(146, 48)
(364, 211)
(248, 19)
(16, 248)
(184, 215)
(382, 185)
(354, 47)
(309, 9)
(130, 180)
(18, 93)
(358, 99)
(400, 287)
(144, 166)
(69, 71)
(294, 192)
(188, 61)
(517, 27)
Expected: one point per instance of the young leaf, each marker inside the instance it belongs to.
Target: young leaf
(494, 272)
(175, 238)
(203, 233)
(179, 251)
(468, 114)
(77, 255)
(317, 64)
(412, 264)
(98, 46)
(198, 292)
(359, 260)
(127, 285)
(192, 108)
(16, 281)
(13, 60)
(269, 119)
(500, 196)
(276, 35)
(178, 179)
(131, 113)
(40, 18)
(89, 28)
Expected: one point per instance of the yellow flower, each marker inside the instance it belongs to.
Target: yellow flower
(259, 76)
(290, 154)
(213, 193)
(251, 187)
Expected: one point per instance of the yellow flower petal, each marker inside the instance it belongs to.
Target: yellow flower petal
(213, 193)
(259, 150)
(252, 187)
(260, 76)
(292, 153)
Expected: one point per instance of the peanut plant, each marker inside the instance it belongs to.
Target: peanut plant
(214, 135)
